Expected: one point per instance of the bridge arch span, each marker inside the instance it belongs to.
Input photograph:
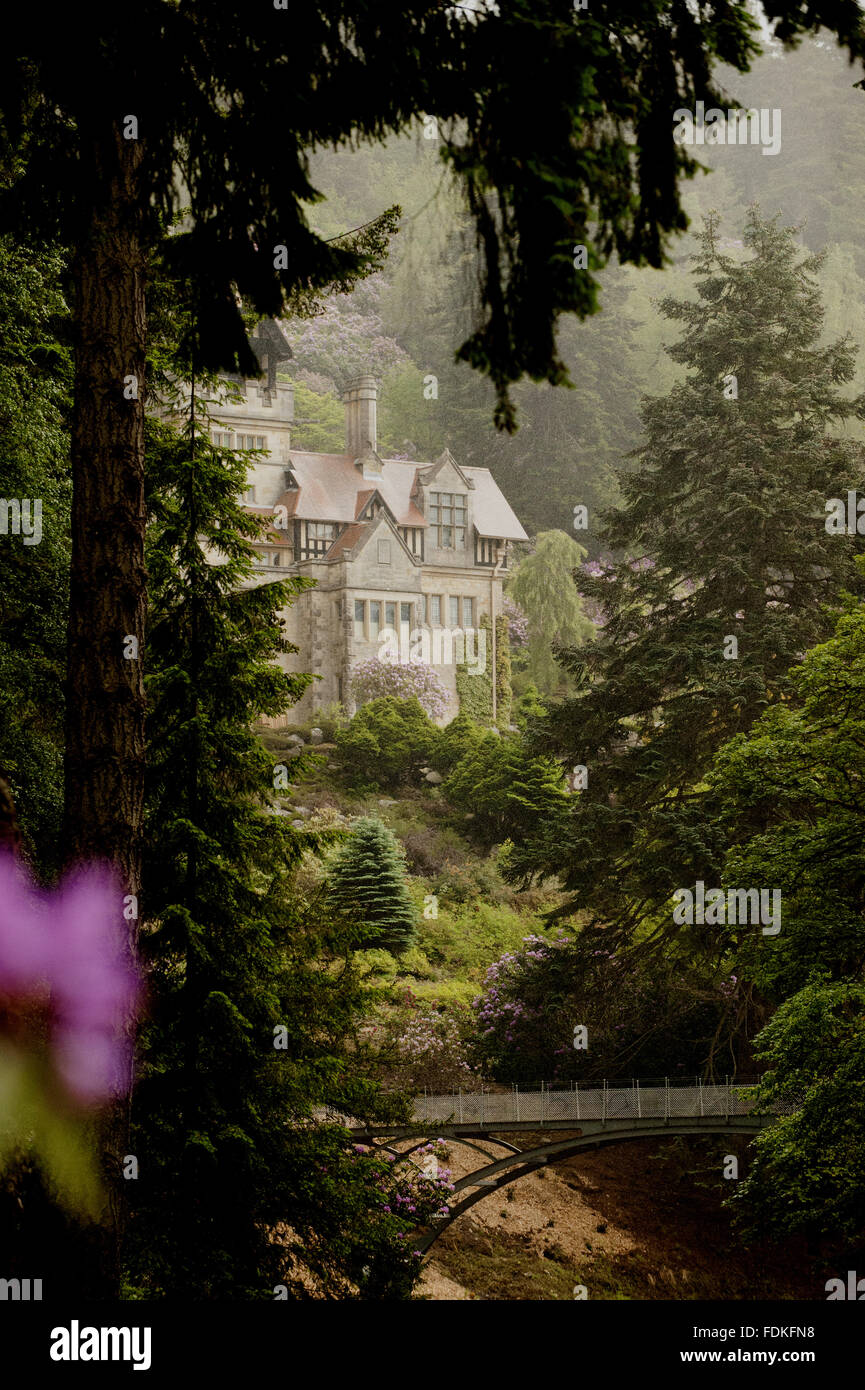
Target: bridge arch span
(500, 1174)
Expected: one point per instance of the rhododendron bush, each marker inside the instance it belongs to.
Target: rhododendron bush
(424, 1046)
(637, 1023)
(373, 679)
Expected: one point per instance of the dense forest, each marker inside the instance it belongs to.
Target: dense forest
(407, 321)
(234, 939)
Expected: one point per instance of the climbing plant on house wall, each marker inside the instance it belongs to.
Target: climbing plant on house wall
(475, 687)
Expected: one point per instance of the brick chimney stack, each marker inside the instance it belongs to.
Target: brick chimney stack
(360, 399)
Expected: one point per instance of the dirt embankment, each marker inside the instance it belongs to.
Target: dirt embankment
(638, 1220)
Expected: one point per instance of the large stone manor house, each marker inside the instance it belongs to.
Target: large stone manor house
(395, 546)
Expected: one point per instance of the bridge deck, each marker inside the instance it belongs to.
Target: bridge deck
(464, 1112)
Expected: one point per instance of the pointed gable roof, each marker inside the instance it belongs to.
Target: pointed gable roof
(355, 538)
(428, 472)
(492, 513)
(331, 488)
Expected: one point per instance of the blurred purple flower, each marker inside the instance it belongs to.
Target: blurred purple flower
(71, 942)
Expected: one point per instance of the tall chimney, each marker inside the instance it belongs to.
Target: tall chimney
(360, 398)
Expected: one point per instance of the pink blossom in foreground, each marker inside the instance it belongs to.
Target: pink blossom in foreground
(71, 943)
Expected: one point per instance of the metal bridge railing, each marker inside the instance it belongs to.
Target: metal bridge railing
(603, 1102)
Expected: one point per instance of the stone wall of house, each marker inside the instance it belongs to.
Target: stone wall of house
(320, 622)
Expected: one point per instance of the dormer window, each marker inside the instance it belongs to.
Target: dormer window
(447, 517)
(318, 538)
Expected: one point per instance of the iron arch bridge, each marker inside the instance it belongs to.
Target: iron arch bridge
(591, 1118)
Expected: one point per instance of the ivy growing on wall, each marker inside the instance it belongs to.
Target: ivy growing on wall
(475, 691)
(503, 672)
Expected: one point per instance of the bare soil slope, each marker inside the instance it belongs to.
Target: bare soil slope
(638, 1220)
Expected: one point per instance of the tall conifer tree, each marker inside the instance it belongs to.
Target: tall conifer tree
(367, 885)
(724, 536)
(212, 110)
(246, 1035)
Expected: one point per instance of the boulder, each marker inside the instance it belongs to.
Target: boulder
(316, 736)
(296, 740)
(434, 778)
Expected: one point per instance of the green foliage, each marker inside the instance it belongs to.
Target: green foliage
(529, 708)
(367, 886)
(722, 528)
(455, 741)
(504, 693)
(791, 814)
(252, 988)
(508, 793)
(410, 424)
(808, 1170)
(468, 935)
(319, 421)
(35, 383)
(387, 741)
(475, 688)
(543, 586)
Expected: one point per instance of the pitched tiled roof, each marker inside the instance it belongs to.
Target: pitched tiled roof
(331, 488)
(493, 515)
(346, 541)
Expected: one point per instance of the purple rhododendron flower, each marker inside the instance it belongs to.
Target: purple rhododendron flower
(518, 623)
(71, 942)
(372, 679)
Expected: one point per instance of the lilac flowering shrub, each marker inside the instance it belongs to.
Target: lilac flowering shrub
(518, 623)
(65, 950)
(425, 1047)
(642, 1020)
(347, 330)
(592, 607)
(410, 1201)
(373, 679)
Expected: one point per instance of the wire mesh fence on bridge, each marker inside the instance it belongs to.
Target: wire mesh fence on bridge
(636, 1101)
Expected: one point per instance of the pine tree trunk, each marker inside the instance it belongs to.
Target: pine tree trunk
(105, 691)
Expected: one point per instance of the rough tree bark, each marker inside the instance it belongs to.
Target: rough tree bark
(104, 767)
(105, 691)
